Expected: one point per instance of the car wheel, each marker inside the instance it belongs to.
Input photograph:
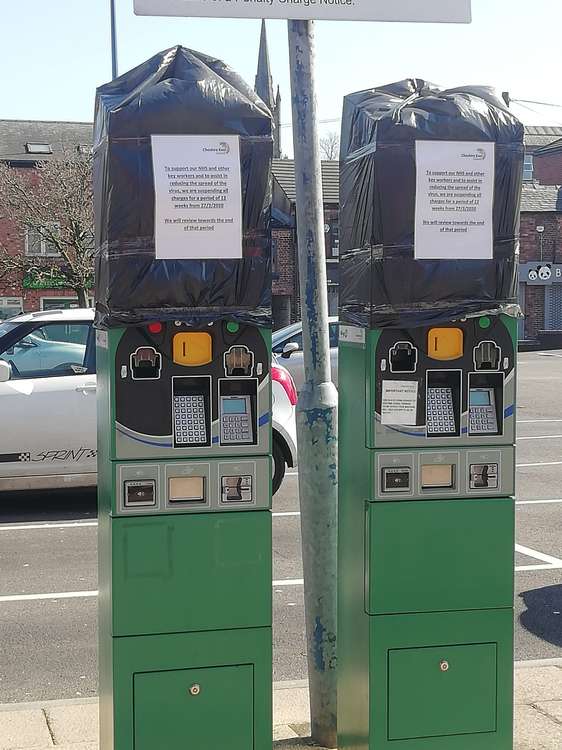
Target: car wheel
(279, 466)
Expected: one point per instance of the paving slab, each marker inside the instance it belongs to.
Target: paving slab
(552, 708)
(533, 685)
(24, 730)
(291, 704)
(73, 724)
(535, 731)
(284, 732)
(296, 744)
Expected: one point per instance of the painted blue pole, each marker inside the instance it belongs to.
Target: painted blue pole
(317, 406)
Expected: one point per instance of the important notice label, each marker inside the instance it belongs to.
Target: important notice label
(454, 200)
(451, 11)
(198, 197)
(399, 402)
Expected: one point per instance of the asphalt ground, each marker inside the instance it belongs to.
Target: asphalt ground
(48, 550)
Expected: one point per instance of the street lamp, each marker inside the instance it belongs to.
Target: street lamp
(113, 41)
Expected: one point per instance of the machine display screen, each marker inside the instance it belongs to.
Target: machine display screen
(234, 406)
(480, 398)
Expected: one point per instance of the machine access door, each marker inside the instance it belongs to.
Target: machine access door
(449, 690)
(203, 709)
(444, 555)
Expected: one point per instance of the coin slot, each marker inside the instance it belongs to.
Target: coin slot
(140, 493)
(396, 479)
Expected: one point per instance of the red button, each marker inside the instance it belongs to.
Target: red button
(155, 327)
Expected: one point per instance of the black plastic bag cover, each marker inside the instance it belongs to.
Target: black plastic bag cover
(381, 284)
(177, 92)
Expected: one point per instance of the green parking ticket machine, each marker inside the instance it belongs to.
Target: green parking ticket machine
(430, 185)
(183, 191)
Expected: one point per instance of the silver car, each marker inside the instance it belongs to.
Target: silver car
(287, 344)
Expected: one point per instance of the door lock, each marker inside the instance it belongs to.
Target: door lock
(195, 689)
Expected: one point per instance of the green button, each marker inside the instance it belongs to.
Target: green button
(232, 327)
(485, 322)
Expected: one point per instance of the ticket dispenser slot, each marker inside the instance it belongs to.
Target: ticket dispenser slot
(237, 405)
(188, 489)
(443, 399)
(191, 407)
(485, 404)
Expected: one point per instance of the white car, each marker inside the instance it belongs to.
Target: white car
(287, 344)
(48, 403)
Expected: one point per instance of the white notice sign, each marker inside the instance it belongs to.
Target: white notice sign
(446, 11)
(399, 402)
(454, 200)
(198, 196)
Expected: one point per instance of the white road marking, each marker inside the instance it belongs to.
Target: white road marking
(38, 597)
(91, 594)
(32, 526)
(536, 421)
(289, 582)
(553, 561)
(538, 502)
(544, 463)
(539, 437)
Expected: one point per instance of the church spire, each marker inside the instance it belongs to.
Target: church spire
(264, 81)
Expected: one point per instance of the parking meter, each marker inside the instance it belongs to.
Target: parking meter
(427, 371)
(184, 429)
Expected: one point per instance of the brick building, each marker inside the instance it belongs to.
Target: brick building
(24, 143)
(540, 271)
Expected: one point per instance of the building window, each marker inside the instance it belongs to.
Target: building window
(332, 234)
(38, 148)
(528, 167)
(58, 303)
(36, 244)
(10, 306)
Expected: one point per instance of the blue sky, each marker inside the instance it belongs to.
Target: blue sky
(55, 52)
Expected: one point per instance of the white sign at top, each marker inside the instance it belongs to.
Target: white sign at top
(422, 11)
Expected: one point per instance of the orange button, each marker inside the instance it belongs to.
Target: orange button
(445, 343)
(193, 349)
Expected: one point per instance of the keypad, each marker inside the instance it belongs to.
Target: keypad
(189, 420)
(440, 416)
(483, 420)
(236, 428)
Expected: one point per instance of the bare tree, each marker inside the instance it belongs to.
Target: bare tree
(330, 146)
(53, 205)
